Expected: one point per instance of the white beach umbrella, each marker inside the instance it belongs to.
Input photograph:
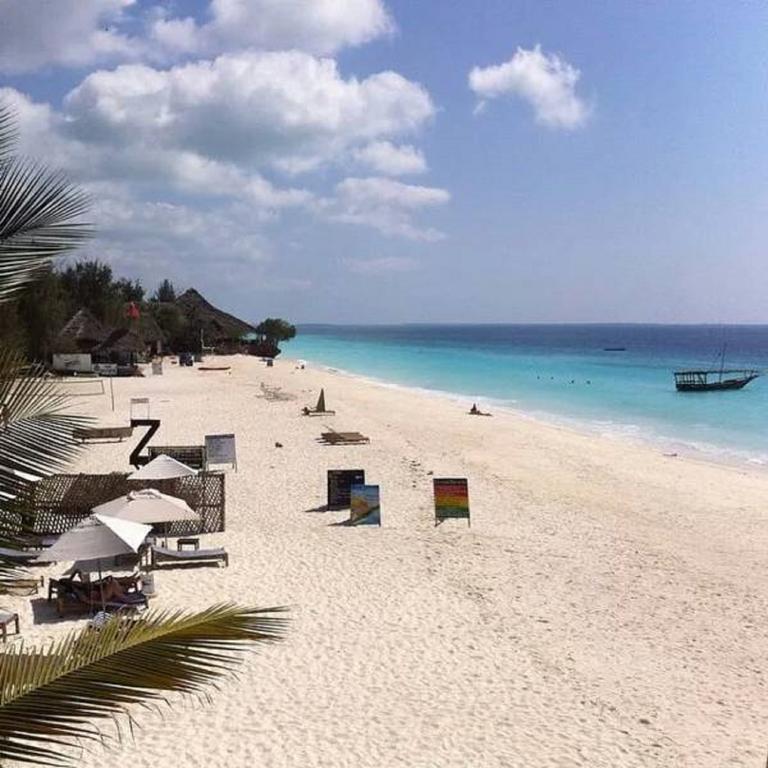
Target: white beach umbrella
(147, 506)
(162, 467)
(97, 537)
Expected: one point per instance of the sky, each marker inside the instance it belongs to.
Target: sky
(385, 161)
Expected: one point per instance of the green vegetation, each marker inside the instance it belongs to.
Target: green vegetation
(275, 329)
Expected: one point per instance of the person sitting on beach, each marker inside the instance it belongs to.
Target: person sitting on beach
(475, 411)
(108, 590)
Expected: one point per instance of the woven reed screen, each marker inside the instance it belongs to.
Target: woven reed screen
(59, 502)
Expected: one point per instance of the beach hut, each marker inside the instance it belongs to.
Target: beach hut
(210, 326)
(81, 333)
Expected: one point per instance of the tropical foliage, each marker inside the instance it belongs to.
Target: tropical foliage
(276, 329)
(49, 698)
(39, 213)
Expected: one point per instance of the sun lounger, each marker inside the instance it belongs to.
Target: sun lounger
(163, 555)
(344, 438)
(74, 596)
(109, 434)
(20, 585)
(6, 618)
(17, 556)
(192, 455)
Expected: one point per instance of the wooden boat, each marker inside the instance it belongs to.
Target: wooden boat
(713, 380)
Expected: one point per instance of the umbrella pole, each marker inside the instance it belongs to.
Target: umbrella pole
(101, 589)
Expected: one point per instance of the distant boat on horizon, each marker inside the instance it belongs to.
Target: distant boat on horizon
(614, 349)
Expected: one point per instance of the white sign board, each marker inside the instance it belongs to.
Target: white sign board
(157, 367)
(220, 449)
(72, 363)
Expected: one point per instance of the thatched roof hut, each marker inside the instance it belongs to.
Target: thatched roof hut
(122, 340)
(81, 333)
(219, 328)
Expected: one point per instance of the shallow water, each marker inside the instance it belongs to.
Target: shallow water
(563, 372)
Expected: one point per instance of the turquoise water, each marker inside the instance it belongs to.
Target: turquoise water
(563, 373)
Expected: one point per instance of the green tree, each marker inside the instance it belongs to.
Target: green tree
(165, 292)
(276, 329)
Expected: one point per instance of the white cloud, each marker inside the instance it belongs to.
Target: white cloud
(289, 110)
(37, 33)
(389, 159)
(316, 26)
(386, 205)
(545, 81)
(380, 265)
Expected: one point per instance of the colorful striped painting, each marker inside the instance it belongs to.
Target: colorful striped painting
(451, 498)
(364, 505)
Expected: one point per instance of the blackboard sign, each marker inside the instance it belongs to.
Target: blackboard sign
(340, 482)
(220, 449)
(451, 498)
(365, 507)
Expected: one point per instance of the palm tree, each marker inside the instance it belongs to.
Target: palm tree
(39, 212)
(50, 697)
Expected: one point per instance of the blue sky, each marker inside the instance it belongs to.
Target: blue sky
(336, 161)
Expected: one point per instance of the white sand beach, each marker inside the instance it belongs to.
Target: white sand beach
(605, 608)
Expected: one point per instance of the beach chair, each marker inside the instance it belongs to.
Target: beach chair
(20, 585)
(74, 596)
(17, 556)
(344, 438)
(193, 456)
(162, 555)
(6, 618)
(106, 434)
(319, 409)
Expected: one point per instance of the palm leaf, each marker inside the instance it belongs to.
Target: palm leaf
(38, 212)
(35, 427)
(8, 132)
(49, 698)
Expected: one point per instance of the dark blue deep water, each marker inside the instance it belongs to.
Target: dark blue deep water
(563, 372)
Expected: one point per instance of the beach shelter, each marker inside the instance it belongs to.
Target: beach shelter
(148, 506)
(162, 467)
(97, 537)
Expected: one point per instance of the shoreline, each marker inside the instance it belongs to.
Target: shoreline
(670, 447)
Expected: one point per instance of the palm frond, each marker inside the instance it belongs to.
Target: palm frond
(35, 427)
(39, 212)
(8, 133)
(49, 698)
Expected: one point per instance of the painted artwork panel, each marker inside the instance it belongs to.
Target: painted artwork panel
(451, 498)
(365, 505)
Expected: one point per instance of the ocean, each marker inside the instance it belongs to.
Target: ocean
(562, 373)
